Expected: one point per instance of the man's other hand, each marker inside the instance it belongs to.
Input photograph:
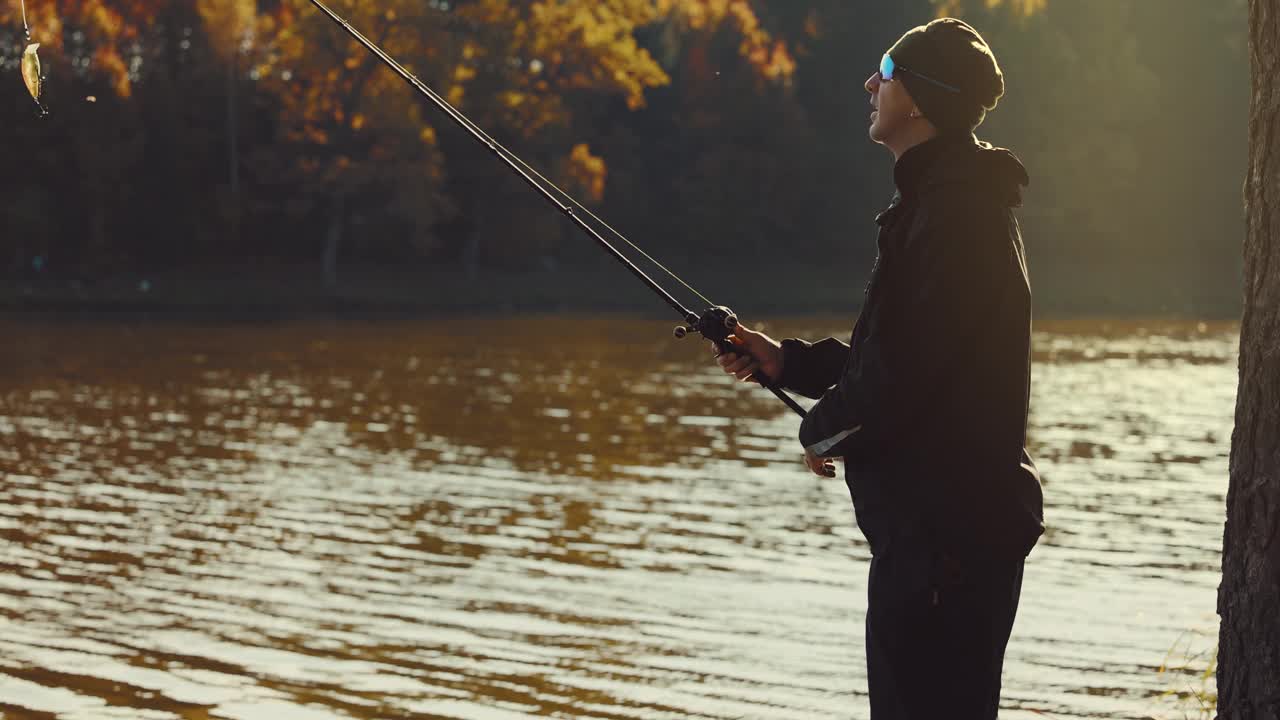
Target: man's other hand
(820, 466)
(759, 352)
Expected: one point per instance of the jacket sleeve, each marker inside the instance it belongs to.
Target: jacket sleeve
(952, 273)
(811, 368)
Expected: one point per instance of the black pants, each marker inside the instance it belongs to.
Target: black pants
(937, 627)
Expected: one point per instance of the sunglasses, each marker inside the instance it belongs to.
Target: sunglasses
(888, 67)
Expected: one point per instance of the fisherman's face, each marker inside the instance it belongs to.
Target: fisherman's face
(892, 107)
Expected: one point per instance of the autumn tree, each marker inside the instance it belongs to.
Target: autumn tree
(1020, 8)
(1249, 596)
(122, 152)
(87, 37)
(696, 125)
(351, 139)
(83, 50)
(703, 165)
(230, 25)
(521, 70)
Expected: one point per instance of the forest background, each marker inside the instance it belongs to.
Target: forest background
(246, 154)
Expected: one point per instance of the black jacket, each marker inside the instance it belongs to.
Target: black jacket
(928, 402)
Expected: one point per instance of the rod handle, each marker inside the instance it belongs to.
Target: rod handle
(768, 383)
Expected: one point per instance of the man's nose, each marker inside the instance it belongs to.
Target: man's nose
(872, 83)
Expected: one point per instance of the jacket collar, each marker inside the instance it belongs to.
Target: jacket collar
(911, 170)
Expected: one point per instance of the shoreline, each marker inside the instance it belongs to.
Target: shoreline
(785, 288)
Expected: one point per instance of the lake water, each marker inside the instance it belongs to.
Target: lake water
(565, 517)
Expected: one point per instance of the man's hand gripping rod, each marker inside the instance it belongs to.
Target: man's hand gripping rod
(716, 325)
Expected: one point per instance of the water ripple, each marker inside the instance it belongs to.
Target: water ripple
(403, 520)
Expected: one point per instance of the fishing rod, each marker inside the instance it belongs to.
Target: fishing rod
(716, 323)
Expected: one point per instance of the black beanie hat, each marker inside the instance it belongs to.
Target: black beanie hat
(952, 52)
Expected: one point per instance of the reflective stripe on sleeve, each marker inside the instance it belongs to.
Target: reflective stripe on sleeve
(822, 446)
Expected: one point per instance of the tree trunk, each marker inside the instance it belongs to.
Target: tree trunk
(333, 240)
(471, 253)
(1249, 596)
(233, 144)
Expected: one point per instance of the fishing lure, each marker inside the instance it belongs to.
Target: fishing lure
(30, 65)
(716, 323)
(31, 71)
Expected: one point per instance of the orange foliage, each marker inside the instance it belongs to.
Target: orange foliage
(591, 45)
(769, 56)
(519, 66)
(516, 66)
(516, 63)
(228, 22)
(1020, 8)
(587, 172)
(322, 77)
(107, 25)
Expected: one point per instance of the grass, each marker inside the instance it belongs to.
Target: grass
(1191, 678)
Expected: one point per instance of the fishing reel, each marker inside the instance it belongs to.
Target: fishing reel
(715, 324)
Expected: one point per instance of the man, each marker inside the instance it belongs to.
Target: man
(927, 404)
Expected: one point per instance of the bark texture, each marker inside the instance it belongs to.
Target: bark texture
(1249, 596)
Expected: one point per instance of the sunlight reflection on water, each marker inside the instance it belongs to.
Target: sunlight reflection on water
(409, 519)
